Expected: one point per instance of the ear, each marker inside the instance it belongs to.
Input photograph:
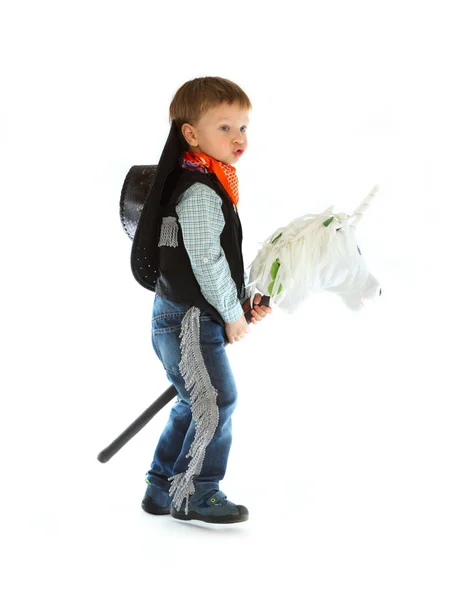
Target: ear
(189, 134)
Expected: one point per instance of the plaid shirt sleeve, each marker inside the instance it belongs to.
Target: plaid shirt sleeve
(201, 219)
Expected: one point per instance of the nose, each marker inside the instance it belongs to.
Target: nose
(239, 138)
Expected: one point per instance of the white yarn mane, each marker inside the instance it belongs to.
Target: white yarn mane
(316, 252)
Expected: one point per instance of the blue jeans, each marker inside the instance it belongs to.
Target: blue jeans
(170, 455)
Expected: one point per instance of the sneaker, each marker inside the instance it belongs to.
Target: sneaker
(211, 507)
(156, 501)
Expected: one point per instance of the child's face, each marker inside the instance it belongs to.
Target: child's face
(219, 132)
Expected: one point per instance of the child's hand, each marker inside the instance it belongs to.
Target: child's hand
(236, 331)
(258, 312)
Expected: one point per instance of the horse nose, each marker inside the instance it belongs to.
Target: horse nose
(380, 291)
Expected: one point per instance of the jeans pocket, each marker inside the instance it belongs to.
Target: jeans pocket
(166, 329)
(168, 349)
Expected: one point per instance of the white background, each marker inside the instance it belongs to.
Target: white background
(353, 444)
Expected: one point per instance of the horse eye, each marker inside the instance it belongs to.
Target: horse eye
(359, 250)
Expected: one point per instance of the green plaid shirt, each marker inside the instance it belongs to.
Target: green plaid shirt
(201, 219)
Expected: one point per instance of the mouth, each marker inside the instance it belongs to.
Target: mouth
(239, 152)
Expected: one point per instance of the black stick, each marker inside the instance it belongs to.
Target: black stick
(151, 411)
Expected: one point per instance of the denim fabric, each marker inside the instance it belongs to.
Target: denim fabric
(174, 443)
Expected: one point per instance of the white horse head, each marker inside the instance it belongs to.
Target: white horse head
(315, 253)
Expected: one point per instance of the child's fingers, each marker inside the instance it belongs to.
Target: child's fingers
(261, 311)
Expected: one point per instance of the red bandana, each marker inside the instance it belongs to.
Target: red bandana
(198, 161)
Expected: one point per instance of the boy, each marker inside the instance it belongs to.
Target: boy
(200, 297)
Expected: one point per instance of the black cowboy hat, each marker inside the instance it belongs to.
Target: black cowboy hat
(145, 190)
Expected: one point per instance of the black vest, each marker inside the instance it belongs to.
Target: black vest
(176, 280)
(166, 269)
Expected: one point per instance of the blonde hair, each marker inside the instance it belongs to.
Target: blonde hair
(199, 95)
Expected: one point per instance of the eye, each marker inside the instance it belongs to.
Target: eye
(223, 126)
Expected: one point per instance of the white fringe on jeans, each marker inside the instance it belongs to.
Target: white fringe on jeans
(204, 409)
